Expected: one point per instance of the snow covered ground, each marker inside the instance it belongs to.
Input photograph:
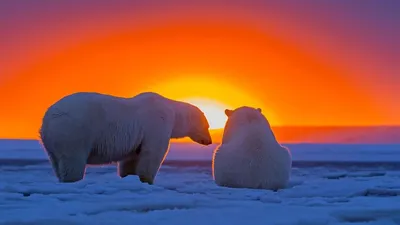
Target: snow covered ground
(330, 184)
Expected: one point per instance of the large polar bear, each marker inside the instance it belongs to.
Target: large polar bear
(249, 155)
(88, 128)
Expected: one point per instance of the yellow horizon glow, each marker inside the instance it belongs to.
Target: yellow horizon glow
(211, 95)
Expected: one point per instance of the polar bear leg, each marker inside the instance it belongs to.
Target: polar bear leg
(159, 123)
(54, 163)
(72, 168)
(150, 159)
(69, 166)
(154, 148)
(127, 166)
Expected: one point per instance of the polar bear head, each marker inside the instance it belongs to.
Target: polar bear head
(191, 122)
(198, 126)
(244, 115)
(242, 118)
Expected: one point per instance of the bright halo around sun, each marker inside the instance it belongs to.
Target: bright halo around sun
(213, 110)
(211, 95)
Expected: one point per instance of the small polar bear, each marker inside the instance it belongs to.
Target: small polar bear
(88, 128)
(249, 155)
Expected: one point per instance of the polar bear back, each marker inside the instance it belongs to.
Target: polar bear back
(112, 126)
(250, 156)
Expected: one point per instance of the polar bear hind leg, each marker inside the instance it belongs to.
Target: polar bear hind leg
(69, 166)
(54, 163)
(72, 168)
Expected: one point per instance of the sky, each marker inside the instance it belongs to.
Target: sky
(305, 63)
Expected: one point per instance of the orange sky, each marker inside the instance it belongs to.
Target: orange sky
(237, 55)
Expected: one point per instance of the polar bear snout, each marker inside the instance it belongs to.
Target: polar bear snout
(204, 139)
(206, 142)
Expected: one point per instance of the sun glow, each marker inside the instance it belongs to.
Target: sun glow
(213, 110)
(211, 95)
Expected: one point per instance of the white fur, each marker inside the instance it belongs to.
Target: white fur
(92, 128)
(250, 156)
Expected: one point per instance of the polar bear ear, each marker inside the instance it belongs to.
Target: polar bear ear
(259, 109)
(228, 112)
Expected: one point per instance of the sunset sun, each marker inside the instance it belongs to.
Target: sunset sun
(213, 110)
(210, 95)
